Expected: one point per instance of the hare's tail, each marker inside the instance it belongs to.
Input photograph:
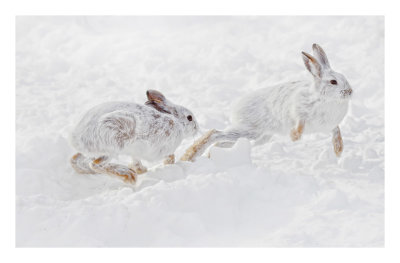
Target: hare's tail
(221, 138)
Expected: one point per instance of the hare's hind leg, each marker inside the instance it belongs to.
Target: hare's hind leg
(100, 165)
(80, 163)
(138, 167)
(200, 145)
(225, 138)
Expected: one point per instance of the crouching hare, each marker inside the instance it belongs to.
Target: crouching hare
(291, 108)
(146, 132)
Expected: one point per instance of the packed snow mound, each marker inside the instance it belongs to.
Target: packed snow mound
(282, 193)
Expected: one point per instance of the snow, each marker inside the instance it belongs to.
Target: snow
(280, 194)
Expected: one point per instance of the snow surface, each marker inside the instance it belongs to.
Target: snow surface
(278, 194)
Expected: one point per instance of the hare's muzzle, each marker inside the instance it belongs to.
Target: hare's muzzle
(347, 92)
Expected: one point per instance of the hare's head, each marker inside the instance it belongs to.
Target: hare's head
(158, 101)
(330, 84)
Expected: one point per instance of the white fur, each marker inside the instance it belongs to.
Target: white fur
(278, 109)
(140, 131)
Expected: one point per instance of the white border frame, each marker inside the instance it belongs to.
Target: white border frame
(204, 7)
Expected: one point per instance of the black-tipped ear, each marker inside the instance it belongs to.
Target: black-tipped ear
(320, 54)
(154, 95)
(157, 101)
(312, 64)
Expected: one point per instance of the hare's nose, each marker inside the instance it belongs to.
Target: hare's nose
(349, 91)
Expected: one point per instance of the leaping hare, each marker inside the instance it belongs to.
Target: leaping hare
(146, 132)
(291, 108)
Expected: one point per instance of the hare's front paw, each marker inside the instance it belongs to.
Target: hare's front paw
(140, 170)
(295, 134)
(337, 145)
(138, 167)
(337, 141)
(126, 173)
(338, 148)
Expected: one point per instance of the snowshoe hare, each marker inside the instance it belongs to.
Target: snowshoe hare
(291, 108)
(145, 132)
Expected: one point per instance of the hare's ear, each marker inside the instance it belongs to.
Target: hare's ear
(154, 95)
(157, 101)
(312, 65)
(320, 54)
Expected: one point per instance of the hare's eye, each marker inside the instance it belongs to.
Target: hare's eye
(189, 117)
(333, 82)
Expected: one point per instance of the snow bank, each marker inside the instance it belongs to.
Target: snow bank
(278, 194)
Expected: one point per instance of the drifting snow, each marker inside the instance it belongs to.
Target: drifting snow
(278, 194)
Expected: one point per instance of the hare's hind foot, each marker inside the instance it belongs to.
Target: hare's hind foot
(170, 159)
(198, 147)
(100, 165)
(138, 167)
(80, 163)
(337, 141)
